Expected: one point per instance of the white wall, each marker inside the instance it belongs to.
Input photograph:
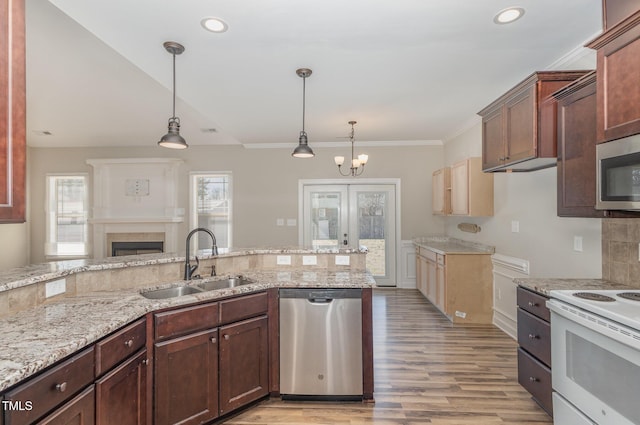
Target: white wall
(545, 239)
(265, 184)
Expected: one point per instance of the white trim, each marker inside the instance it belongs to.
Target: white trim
(108, 161)
(320, 145)
(575, 54)
(359, 181)
(193, 214)
(512, 263)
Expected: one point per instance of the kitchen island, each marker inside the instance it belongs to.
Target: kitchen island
(36, 339)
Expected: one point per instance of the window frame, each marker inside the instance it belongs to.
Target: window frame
(193, 207)
(52, 245)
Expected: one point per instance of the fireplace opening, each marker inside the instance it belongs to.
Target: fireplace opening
(136, 248)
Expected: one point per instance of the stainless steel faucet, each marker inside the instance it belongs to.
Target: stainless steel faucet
(188, 268)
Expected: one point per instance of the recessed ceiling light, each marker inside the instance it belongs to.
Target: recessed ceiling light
(214, 24)
(508, 15)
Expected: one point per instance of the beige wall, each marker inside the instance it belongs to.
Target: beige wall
(265, 184)
(14, 244)
(545, 239)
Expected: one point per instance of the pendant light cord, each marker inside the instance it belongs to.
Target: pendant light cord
(304, 91)
(174, 86)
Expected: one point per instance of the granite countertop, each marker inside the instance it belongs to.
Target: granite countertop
(37, 338)
(544, 285)
(446, 245)
(35, 273)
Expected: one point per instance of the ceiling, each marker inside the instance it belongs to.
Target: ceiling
(408, 71)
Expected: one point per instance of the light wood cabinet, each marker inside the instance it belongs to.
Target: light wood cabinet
(471, 189)
(12, 112)
(518, 129)
(459, 285)
(441, 191)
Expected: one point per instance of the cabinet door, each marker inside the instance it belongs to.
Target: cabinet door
(186, 379)
(441, 283)
(121, 395)
(618, 66)
(79, 411)
(244, 363)
(460, 188)
(520, 121)
(577, 151)
(493, 149)
(440, 191)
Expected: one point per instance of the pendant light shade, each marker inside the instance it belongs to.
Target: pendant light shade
(303, 150)
(172, 139)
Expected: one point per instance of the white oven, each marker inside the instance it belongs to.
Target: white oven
(595, 366)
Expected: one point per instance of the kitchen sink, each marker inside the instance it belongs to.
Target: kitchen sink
(230, 282)
(175, 291)
(197, 288)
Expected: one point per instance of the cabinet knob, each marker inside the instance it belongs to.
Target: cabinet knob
(533, 336)
(532, 304)
(145, 362)
(61, 387)
(129, 343)
(226, 337)
(214, 340)
(532, 379)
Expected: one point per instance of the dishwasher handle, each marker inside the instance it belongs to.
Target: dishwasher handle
(319, 301)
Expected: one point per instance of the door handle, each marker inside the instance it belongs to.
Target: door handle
(345, 241)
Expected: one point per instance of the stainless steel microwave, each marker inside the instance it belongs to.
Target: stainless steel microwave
(618, 174)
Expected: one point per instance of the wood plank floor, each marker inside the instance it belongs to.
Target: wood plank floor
(427, 371)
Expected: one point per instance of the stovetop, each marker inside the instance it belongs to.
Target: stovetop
(613, 306)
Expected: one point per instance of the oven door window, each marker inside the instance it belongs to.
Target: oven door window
(620, 178)
(597, 374)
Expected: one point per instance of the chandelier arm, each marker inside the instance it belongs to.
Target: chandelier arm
(343, 174)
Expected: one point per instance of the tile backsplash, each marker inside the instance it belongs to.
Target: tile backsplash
(620, 239)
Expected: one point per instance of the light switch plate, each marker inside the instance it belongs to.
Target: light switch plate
(342, 260)
(577, 243)
(280, 222)
(283, 260)
(55, 287)
(515, 226)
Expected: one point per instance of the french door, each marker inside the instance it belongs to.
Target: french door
(353, 215)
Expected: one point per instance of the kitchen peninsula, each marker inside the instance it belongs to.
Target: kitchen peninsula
(102, 301)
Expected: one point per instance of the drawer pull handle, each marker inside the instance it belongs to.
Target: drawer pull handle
(145, 362)
(61, 387)
(532, 379)
(129, 343)
(532, 304)
(226, 337)
(214, 340)
(533, 336)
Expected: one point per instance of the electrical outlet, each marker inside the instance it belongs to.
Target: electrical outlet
(342, 260)
(283, 260)
(577, 243)
(309, 260)
(280, 222)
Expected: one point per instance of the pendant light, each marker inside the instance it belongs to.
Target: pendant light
(172, 139)
(303, 150)
(357, 164)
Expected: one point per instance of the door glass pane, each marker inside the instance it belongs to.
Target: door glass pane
(325, 220)
(372, 216)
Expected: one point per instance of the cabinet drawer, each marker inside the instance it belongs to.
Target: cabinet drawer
(534, 335)
(51, 388)
(243, 307)
(185, 320)
(535, 378)
(533, 303)
(117, 347)
(428, 254)
(79, 411)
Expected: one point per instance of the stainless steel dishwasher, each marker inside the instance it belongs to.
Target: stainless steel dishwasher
(321, 344)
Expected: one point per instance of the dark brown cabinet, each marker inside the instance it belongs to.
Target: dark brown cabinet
(577, 148)
(121, 395)
(186, 379)
(618, 66)
(534, 351)
(12, 112)
(244, 363)
(519, 128)
(78, 411)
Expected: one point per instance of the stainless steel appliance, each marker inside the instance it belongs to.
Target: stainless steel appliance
(618, 174)
(595, 353)
(321, 343)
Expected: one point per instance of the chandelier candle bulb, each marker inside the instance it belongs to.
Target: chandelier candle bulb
(363, 158)
(339, 160)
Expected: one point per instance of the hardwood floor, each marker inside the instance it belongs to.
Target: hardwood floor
(427, 371)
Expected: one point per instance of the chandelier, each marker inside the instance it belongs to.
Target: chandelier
(303, 150)
(173, 139)
(357, 164)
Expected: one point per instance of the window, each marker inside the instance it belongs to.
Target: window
(211, 208)
(66, 211)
